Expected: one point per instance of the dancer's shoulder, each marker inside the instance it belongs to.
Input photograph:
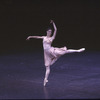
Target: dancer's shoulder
(43, 37)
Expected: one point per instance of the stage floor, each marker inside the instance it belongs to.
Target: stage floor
(73, 76)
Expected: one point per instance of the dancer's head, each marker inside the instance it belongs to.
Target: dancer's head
(49, 32)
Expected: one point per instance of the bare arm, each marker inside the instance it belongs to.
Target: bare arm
(55, 29)
(37, 37)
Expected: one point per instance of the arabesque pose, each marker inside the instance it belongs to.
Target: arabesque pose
(51, 54)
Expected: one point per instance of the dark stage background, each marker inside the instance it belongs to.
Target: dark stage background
(22, 70)
(78, 23)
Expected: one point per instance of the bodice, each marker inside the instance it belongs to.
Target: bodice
(47, 42)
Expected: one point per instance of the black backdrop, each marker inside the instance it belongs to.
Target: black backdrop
(78, 23)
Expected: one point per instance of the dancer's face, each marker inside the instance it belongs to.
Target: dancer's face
(49, 32)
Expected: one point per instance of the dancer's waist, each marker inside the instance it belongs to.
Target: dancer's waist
(47, 47)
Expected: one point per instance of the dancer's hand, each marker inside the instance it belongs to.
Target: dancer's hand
(28, 38)
(51, 21)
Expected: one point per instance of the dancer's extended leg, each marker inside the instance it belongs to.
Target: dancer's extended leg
(72, 50)
(46, 74)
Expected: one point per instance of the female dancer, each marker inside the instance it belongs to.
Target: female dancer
(51, 54)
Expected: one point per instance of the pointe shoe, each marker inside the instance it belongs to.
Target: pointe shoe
(45, 81)
(81, 50)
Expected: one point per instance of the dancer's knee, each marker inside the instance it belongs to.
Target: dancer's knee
(71, 51)
(47, 64)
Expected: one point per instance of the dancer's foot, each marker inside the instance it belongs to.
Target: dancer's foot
(45, 81)
(81, 50)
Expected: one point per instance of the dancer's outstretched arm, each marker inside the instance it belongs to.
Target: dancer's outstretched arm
(55, 29)
(37, 37)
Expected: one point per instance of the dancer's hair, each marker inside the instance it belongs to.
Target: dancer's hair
(49, 28)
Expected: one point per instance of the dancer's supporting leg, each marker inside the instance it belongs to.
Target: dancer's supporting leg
(46, 75)
(72, 50)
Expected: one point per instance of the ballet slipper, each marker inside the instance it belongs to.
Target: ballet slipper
(81, 50)
(45, 81)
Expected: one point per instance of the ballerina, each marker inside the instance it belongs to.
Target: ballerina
(51, 54)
